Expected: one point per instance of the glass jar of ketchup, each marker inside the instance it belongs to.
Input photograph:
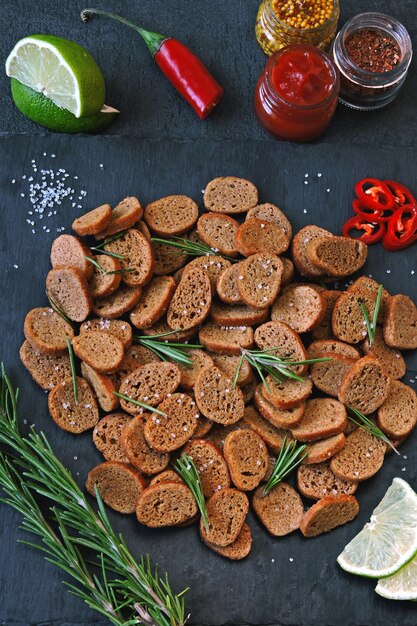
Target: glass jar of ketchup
(296, 94)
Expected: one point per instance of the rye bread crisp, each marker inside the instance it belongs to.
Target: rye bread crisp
(154, 302)
(257, 236)
(93, 222)
(228, 340)
(369, 284)
(247, 458)
(280, 510)
(164, 504)
(118, 303)
(47, 331)
(361, 457)
(138, 260)
(227, 285)
(323, 417)
(229, 194)
(68, 289)
(211, 466)
(102, 386)
(237, 550)
(101, 351)
(218, 433)
(137, 449)
(142, 228)
(329, 375)
(117, 328)
(214, 265)
(150, 384)
(191, 302)
(397, 416)
(330, 347)
(400, 324)
(324, 329)
(167, 259)
(391, 359)
(337, 256)
(169, 433)
(107, 436)
(317, 480)
(124, 215)
(229, 364)
(47, 370)
(69, 251)
(216, 398)
(328, 513)
(301, 307)
(365, 386)
(348, 322)
(285, 341)
(272, 436)
(106, 280)
(119, 485)
(269, 212)
(249, 389)
(237, 315)
(166, 476)
(261, 280)
(226, 512)
(280, 418)
(199, 359)
(74, 417)
(323, 450)
(299, 250)
(171, 216)
(218, 231)
(161, 327)
(204, 426)
(288, 272)
(286, 394)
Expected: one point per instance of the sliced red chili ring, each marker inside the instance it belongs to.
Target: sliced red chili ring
(401, 228)
(372, 232)
(371, 214)
(402, 195)
(375, 194)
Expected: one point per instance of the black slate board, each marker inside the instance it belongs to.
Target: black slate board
(290, 581)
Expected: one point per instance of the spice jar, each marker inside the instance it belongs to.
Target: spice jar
(280, 23)
(372, 52)
(297, 93)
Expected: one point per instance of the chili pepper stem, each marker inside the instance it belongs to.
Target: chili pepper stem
(154, 41)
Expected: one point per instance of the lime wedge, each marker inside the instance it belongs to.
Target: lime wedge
(59, 69)
(400, 586)
(389, 540)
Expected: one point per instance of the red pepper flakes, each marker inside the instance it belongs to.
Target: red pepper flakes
(373, 50)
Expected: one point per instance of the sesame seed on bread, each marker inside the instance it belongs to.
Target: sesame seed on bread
(212, 264)
(218, 231)
(299, 306)
(172, 431)
(228, 340)
(117, 328)
(149, 384)
(261, 280)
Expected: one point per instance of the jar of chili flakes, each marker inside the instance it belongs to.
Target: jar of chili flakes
(373, 52)
(280, 23)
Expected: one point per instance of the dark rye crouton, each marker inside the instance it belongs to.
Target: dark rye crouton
(161, 327)
(337, 256)
(369, 284)
(137, 257)
(101, 351)
(237, 315)
(329, 375)
(288, 272)
(124, 215)
(69, 251)
(212, 264)
(117, 328)
(400, 325)
(397, 416)
(170, 432)
(93, 222)
(247, 458)
(199, 360)
(150, 384)
(68, 288)
(142, 228)
(280, 418)
(167, 476)
(165, 504)
(285, 341)
(348, 322)
(249, 389)
(361, 457)
(255, 235)
(227, 285)
(228, 364)
(365, 386)
(107, 435)
(210, 464)
(46, 331)
(271, 213)
(119, 485)
(47, 370)
(286, 394)
(229, 194)
(204, 426)
(272, 436)
(390, 358)
(323, 417)
(280, 510)
(259, 280)
(218, 434)
(299, 250)
(323, 450)
(71, 415)
(168, 259)
(237, 550)
(102, 386)
(154, 301)
(172, 215)
(216, 398)
(330, 347)
(301, 307)
(226, 512)
(137, 449)
(316, 481)
(324, 329)
(328, 513)
(227, 340)
(106, 280)
(191, 302)
(218, 231)
(118, 303)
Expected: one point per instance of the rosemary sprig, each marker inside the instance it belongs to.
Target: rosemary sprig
(73, 370)
(186, 468)
(266, 364)
(371, 326)
(168, 351)
(100, 246)
(191, 248)
(137, 586)
(367, 424)
(60, 312)
(290, 456)
(105, 272)
(142, 405)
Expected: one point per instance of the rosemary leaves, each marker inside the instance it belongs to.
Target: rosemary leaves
(371, 326)
(166, 350)
(142, 405)
(187, 470)
(290, 456)
(191, 248)
(73, 370)
(367, 424)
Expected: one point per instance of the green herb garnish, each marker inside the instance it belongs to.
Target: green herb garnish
(186, 468)
(367, 424)
(371, 326)
(142, 405)
(105, 272)
(73, 370)
(190, 248)
(60, 312)
(166, 350)
(290, 456)
(100, 246)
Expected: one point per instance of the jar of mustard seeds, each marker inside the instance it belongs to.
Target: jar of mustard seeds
(280, 23)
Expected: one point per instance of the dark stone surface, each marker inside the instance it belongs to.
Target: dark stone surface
(156, 148)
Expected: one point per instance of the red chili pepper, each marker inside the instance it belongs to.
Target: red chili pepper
(183, 69)
(372, 233)
(371, 215)
(375, 194)
(401, 228)
(401, 194)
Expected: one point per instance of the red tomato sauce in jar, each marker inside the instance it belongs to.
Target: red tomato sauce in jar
(296, 94)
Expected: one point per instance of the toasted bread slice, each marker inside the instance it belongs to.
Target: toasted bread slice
(168, 259)
(161, 327)
(400, 325)
(137, 257)
(324, 330)
(348, 322)
(149, 384)
(365, 283)
(218, 433)
(218, 231)
(301, 307)
(106, 280)
(337, 256)
(154, 302)
(285, 342)
(329, 375)
(101, 351)
(216, 398)
(213, 265)
(323, 450)
(390, 358)
(124, 215)
(200, 359)
(165, 504)
(107, 435)
(287, 394)
(237, 550)
(71, 415)
(69, 251)
(271, 213)
(227, 285)
(249, 389)
(317, 481)
(323, 417)
(103, 387)
(93, 222)
(136, 448)
(229, 194)
(119, 485)
(210, 464)
(330, 347)
(47, 370)
(288, 272)
(247, 458)
(172, 215)
(191, 302)
(135, 356)
(46, 331)
(226, 511)
(272, 436)
(239, 314)
(299, 250)
(261, 282)
(397, 416)
(280, 510)
(280, 418)
(361, 457)
(226, 339)
(142, 228)
(328, 513)
(204, 426)
(118, 303)
(117, 328)
(228, 365)
(166, 476)
(258, 236)
(68, 288)
(365, 386)
(169, 433)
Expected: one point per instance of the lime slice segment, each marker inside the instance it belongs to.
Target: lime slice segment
(389, 540)
(400, 586)
(59, 69)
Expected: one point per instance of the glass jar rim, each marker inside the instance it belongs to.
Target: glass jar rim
(306, 47)
(362, 24)
(293, 29)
